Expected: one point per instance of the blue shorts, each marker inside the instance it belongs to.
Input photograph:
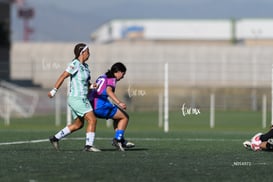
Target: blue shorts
(79, 106)
(106, 111)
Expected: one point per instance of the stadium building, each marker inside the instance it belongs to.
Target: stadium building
(246, 31)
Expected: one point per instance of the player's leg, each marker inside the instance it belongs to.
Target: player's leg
(118, 116)
(90, 132)
(85, 110)
(125, 143)
(268, 145)
(268, 135)
(121, 120)
(120, 124)
(76, 125)
(82, 108)
(90, 117)
(263, 145)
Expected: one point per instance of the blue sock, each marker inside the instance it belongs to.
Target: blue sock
(119, 134)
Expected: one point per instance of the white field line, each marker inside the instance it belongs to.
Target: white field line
(134, 139)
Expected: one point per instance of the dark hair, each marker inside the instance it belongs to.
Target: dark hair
(115, 68)
(78, 48)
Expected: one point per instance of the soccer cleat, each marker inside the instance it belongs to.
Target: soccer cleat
(91, 149)
(55, 143)
(247, 144)
(127, 144)
(118, 144)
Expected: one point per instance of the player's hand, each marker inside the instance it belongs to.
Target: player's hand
(122, 105)
(49, 95)
(52, 92)
(93, 86)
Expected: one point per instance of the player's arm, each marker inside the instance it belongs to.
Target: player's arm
(58, 84)
(112, 95)
(93, 85)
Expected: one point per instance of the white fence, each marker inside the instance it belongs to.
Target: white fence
(16, 100)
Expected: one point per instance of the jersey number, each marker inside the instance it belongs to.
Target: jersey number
(100, 83)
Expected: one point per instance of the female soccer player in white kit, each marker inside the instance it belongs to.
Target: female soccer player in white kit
(79, 74)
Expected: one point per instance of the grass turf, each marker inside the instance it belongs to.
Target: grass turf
(191, 151)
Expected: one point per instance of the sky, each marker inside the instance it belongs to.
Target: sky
(75, 20)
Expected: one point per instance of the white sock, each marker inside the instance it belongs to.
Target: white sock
(62, 133)
(90, 137)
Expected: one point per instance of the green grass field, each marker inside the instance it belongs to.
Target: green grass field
(190, 151)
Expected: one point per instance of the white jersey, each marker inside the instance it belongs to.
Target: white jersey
(79, 78)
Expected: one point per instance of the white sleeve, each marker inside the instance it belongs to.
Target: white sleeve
(73, 67)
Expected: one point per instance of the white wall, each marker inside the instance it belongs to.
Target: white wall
(204, 66)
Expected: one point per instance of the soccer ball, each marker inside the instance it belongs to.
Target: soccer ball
(255, 142)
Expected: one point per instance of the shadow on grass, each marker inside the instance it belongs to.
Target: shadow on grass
(127, 150)
(102, 149)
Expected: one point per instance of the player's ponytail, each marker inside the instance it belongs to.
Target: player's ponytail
(115, 68)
